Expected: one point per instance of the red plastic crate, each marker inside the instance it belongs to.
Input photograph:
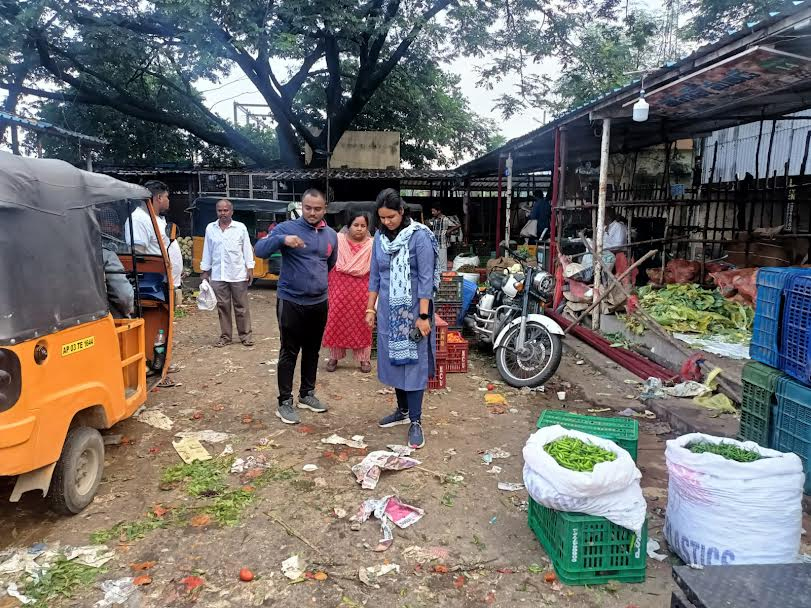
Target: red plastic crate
(440, 379)
(449, 311)
(457, 353)
(441, 335)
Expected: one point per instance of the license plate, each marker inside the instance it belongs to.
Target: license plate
(79, 345)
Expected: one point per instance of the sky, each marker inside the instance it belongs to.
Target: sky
(220, 98)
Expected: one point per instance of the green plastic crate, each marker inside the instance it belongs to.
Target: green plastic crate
(622, 431)
(588, 550)
(757, 401)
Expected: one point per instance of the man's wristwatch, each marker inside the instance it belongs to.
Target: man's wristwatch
(424, 316)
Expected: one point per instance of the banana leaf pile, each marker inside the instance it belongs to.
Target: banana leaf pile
(692, 309)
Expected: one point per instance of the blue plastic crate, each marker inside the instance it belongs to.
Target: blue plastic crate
(765, 345)
(795, 357)
(792, 427)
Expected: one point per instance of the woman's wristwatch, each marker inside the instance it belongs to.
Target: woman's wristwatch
(424, 316)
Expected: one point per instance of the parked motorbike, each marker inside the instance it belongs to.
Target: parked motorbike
(509, 316)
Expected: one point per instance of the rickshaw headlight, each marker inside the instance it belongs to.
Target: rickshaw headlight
(10, 379)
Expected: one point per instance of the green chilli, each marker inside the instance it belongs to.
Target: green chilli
(577, 455)
(727, 450)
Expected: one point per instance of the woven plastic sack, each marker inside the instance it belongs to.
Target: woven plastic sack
(611, 490)
(206, 300)
(723, 512)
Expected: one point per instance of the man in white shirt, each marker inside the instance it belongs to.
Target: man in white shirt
(616, 231)
(228, 265)
(143, 239)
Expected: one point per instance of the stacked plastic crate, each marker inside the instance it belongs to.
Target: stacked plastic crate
(448, 301)
(440, 379)
(585, 549)
(776, 408)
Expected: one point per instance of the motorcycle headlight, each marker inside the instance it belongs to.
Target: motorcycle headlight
(543, 282)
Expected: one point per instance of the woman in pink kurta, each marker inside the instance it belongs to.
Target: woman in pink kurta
(348, 290)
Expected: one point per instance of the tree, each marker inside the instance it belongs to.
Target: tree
(425, 104)
(713, 19)
(135, 142)
(111, 53)
(606, 53)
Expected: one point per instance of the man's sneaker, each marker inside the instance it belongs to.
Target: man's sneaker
(311, 402)
(415, 437)
(286, 412)
(394, 419)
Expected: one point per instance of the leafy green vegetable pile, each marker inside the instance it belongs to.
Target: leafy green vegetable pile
(692, 309)
(727, 450)
(577, 455)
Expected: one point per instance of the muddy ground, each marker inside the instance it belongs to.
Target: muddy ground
(484, 553)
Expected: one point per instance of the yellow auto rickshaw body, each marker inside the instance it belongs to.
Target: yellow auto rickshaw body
(68, 368)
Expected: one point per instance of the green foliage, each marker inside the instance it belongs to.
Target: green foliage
(61, 580)
(201, 477)
(605, 53)
(147, 60)
(713, 19)
(130, 530)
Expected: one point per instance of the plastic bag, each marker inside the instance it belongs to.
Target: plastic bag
(611, 490)
(722, 512)
(206, 300)
(465, 260)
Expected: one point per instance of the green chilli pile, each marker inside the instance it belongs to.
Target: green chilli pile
(727, 450)
(577, 455)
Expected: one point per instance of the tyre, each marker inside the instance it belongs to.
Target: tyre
(78, 471)
(536, 363)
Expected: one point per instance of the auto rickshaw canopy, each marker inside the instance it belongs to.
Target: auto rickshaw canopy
(203, 210)
(51, 267)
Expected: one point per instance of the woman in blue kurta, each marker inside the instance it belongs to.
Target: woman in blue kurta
(403, 280)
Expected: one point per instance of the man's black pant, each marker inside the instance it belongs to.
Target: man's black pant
(301, 329)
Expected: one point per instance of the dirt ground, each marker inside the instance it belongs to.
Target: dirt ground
(484, 553)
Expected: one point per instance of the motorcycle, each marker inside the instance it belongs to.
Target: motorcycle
(509, 316)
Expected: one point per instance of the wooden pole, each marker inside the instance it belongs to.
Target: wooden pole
(599, 229)
(498, 212)
(597, 301)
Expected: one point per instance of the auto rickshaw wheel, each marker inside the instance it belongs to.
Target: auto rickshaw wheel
(78, 471)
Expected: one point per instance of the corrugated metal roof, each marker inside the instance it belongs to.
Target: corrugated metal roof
(633, 86)
(294, 174)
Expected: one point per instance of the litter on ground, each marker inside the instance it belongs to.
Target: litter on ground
(368, 471)
(190, 449)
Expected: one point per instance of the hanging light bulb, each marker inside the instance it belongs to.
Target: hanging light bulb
(641, 108)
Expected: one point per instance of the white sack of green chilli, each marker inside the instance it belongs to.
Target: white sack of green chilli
(690, 308)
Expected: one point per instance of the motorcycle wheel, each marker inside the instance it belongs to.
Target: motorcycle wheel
(536, 363)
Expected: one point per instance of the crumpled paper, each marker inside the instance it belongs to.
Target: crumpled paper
(293, 567)
(388, 509)
(240, 465)
(116, 592)
(369, 575)
(156, 419)
(355, 442)
(368, 471)
(208, 436)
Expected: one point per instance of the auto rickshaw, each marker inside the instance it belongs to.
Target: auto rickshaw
(68, 369)
(258, 215)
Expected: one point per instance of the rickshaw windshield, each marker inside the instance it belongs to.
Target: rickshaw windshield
(51, 268)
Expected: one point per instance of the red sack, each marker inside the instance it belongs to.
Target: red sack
(739, 284)
(690, 369)
(682, 271)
